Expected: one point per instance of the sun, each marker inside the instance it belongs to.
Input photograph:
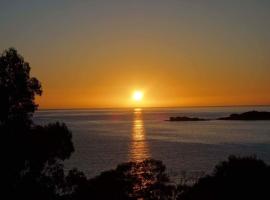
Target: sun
(137, 95)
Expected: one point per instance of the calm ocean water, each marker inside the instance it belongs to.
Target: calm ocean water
(104, 138)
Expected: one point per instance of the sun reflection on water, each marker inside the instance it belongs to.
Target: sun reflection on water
(138, 149)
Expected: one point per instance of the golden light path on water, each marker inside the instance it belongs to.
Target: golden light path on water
(139, 149)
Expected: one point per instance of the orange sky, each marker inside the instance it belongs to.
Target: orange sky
(180, 53)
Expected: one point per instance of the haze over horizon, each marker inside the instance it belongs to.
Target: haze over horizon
(179, 53)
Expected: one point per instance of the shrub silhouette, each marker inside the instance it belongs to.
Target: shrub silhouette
(132, 180)
(237, 178)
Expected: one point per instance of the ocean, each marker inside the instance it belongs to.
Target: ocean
(104, 138)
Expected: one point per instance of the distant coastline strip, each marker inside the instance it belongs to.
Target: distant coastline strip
(246, 116)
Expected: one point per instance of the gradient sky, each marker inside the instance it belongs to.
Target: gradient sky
(180, 53)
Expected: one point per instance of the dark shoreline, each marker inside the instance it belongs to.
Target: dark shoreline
(246, 116)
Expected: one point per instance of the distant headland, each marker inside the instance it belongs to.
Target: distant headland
(246, 116)
(186, 119)
(251, 115)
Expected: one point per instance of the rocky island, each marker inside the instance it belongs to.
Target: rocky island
(185, 119)
(251, 115)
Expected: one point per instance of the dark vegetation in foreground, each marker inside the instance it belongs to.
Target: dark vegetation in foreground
(246, 116)
(32, 158)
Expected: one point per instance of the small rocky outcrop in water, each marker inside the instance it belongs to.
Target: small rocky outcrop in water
(184, 119)
(251, 115)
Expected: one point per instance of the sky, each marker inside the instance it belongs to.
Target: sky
(93, 54)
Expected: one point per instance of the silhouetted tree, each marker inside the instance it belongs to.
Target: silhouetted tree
(17, 88)
(31, 155)
(237, 178)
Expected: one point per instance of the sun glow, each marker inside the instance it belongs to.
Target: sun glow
(137, 95)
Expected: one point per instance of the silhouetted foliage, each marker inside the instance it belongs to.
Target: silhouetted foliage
(17, 88)
(33, 158)
(132, 180)
(32, 155)
(237, 178)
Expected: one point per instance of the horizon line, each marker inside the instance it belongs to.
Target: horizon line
(147, 107)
